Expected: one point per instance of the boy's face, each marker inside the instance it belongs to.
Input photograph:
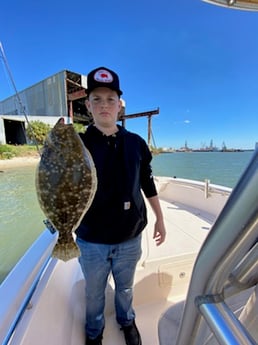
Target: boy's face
(104, 105)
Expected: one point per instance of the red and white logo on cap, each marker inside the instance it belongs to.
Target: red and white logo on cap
(103, 76)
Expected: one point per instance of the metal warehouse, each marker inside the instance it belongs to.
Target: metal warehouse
(62, 94)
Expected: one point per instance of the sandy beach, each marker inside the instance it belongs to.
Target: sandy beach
(18, 162)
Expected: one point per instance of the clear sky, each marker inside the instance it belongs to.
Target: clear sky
(197, 62)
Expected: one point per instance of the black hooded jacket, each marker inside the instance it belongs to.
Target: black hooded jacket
(118, 211)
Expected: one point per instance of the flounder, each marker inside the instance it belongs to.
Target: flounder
(66, 183)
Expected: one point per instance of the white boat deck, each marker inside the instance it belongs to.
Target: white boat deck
(162, 278)
(55, 313)
(186, 229)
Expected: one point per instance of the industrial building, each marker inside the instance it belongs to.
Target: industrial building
(62, 94)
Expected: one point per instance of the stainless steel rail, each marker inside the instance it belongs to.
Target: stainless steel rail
(225, 326)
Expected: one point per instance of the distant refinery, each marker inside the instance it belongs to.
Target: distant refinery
(210, 148)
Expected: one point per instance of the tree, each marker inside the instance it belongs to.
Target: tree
(37, 131)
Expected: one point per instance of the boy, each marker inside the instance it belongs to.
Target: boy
(109, 235)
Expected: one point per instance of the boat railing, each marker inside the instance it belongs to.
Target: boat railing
(196, 195)
(227, 264)
(205, 186)
(17, 288)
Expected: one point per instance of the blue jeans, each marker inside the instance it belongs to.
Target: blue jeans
(97, 262)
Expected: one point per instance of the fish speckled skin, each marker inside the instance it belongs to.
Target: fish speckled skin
(66, 183)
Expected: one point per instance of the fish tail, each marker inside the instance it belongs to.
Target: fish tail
(66, 251)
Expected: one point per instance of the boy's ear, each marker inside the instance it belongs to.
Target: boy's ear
(87, 104)
(120, 104)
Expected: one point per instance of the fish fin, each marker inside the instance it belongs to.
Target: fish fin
(66, 251)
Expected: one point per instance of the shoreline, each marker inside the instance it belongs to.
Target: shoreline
(18, 162)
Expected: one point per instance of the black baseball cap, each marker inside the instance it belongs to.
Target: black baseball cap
(103, 77)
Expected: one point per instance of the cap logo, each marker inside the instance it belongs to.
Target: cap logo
(103, 76)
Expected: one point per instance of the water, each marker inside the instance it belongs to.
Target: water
(20, 215)
(21, 219)
(224, 168)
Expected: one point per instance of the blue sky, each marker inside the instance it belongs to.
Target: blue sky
(197, 62)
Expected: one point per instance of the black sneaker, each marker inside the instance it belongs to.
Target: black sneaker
(132, 335)
(96, 341)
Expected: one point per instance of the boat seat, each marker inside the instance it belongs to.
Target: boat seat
(249, 315)
(169, 322)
